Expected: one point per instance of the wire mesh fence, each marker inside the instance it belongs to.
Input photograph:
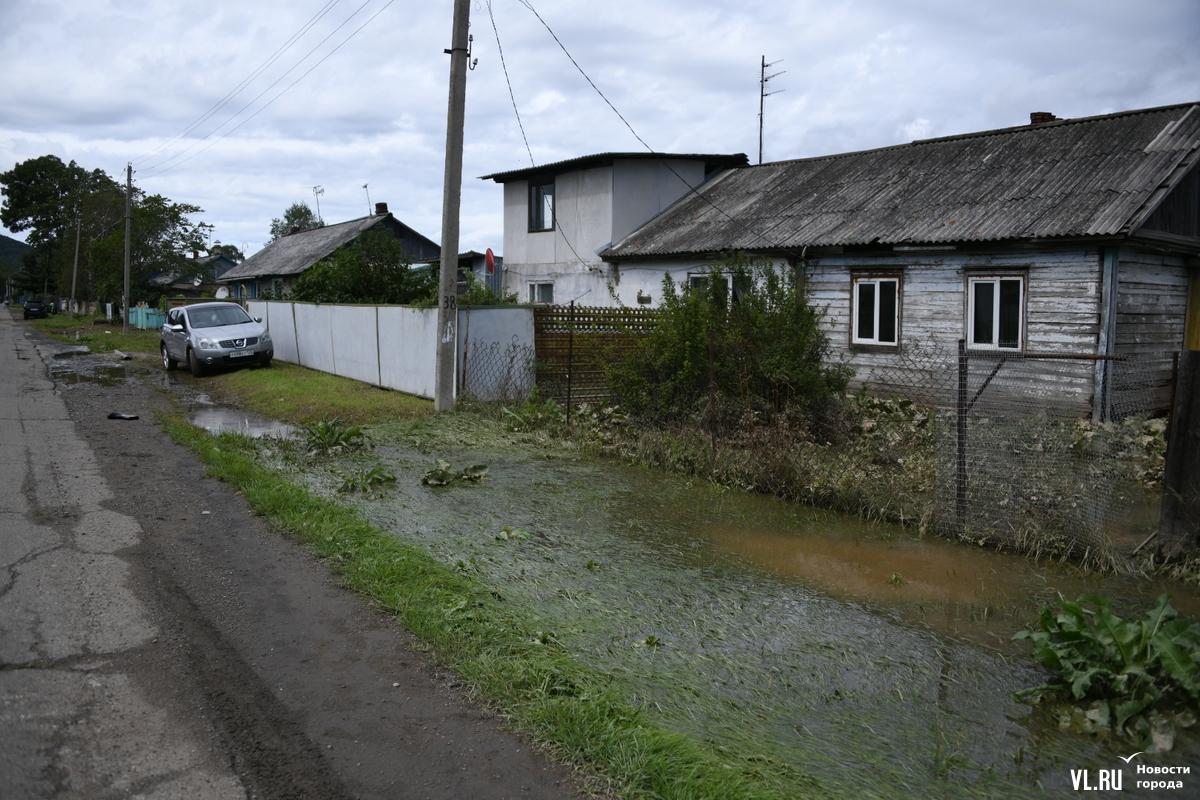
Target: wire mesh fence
(1052, 453)
(500, 372)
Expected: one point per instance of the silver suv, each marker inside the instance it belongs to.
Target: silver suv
(209, 335)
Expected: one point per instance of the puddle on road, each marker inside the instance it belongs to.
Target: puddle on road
(218, 419)
(73, 371)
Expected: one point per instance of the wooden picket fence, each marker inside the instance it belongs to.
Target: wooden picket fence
(573, 343)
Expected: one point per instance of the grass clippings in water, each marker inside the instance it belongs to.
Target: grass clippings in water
(491, 644)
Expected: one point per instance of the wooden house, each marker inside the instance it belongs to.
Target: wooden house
(1061, 237)
(274, 269)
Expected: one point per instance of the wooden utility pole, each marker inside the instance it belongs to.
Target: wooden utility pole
(74, 266)
(443, 393)
(128, 228)
(1179, 523)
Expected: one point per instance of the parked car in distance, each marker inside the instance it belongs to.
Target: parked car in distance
(35, 309)
(211, 335)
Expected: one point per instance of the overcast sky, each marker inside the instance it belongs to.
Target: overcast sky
(105, 82)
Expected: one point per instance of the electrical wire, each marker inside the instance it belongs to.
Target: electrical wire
(224, 101)
(507, 80)
(273, 84)
(691, 189)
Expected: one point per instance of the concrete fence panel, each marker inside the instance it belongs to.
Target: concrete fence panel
(408, 349)
(355, 342)
(314, 337)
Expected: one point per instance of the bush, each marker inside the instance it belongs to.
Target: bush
(764, 335)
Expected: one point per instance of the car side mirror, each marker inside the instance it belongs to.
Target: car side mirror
(258, 319)
(177, 328)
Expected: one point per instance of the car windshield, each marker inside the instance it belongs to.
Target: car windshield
(216, 316)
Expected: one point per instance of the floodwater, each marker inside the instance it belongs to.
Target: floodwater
(875, 660)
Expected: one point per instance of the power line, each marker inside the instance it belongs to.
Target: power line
(245, 82)
(273, 84)
(691, 189)
(507, 80)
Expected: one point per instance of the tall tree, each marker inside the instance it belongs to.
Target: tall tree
(297, 215)
(57, 202)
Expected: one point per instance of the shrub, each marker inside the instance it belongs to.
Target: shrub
(764, 335)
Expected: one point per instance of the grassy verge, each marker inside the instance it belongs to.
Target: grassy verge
(100, 338)
(300, 396)
(488, 642)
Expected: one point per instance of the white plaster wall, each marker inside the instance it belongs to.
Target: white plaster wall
(641, 190)
(354, 342)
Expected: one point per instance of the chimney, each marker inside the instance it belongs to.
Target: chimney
(1040, 117)
(380, 209)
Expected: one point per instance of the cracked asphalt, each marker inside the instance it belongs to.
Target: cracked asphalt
(158, 640)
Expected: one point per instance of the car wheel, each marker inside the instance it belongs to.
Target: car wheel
(168, 363)
(194, 364)
(266, 362)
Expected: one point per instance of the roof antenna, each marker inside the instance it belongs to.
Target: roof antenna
(318, 191)
(368, 191)
(762, 96)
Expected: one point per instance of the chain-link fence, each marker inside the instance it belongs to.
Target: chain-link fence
(1045, 453)
(501, 372)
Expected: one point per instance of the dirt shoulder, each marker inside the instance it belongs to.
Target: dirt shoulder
(313, 693)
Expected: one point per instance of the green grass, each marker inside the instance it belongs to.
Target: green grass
(304, 396)
(493, 645)
(100, 338)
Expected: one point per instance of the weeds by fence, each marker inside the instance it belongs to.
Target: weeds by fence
(996, 449)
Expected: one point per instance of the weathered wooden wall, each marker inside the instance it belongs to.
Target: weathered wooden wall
(1152, 301)
(1062, 309)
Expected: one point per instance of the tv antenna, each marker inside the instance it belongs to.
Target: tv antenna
(318, 191)
(762, 96)
(368, 191)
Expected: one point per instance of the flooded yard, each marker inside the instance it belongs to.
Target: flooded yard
(874, 660)
(859, 658)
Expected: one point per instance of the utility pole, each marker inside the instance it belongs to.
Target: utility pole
(75, 266)
(447, 333)
(762, 97)
(128, 227)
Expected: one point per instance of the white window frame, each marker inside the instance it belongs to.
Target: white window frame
(995, 280)
(536, 290)
(858, 281)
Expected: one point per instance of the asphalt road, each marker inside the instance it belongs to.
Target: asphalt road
(158, 640)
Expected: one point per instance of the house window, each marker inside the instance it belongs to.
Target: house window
(542, 293)
(995, 312)
(737, 288)
(875, 315)
(541, 206)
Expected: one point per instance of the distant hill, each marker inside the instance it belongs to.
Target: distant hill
(11, 251)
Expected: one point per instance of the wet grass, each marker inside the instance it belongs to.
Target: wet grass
(99, 338)
(494, 644)
(303, 396)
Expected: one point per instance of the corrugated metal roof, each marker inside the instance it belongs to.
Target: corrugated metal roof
(716, 160)
(1095, 176)
(296, 252)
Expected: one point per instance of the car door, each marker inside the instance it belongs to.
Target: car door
(174, 340)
